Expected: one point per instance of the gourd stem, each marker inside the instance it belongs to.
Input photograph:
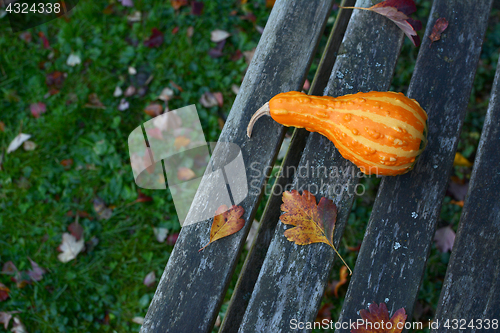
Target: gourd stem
(263, 111)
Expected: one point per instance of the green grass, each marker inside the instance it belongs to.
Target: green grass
(102, 290)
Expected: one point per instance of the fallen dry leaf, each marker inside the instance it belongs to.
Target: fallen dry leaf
(36, 272)
(166, 94)
(45, 41)
(73, 60)
(5, 318)
(216, 52)
(440, 26)
(209, 99)
(150, 279)
(270, 3)
(2, 126)
(325, 312)
(378, 316)
(138, 320)
(94, 102)
(17, 142)
(219, 35)
(342, 281)
(37, 109)
(55, 80)
(178, 3)
(124, 105)
(460, 160)
(458, 203)
(172, 239)
(184, 174)
(127, 3)
(160, 234)
(181, 141)
(398, 11)
(18, 326)
(444, 238)
(197, 8)
(143, 198)
(130, 91)
(4, 292)
(118, 91)
(76, 230)
(226, 222)
(249, 55)
(26, 36)
(155, 40)
(153, 109)
(103, 212)
(311, 223)
(135, 17)
(70, 247)
(67, 162)
(458, 188)
(29, 145)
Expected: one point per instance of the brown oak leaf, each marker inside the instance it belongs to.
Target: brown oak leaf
(398, 11)
(376, 320)
(226, 222)
(440, 26)
(312, 223)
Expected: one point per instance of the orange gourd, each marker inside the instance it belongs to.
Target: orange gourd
(382, 133)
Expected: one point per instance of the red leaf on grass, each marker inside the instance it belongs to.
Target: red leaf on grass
(172, 239)
(36, 273)
(4, 292)
(37, 109)
(155, 40)
(440, 26)
(196, 8)
(55, 80)
(67, 162)
(143, 198)
(398, 11)
(226, 222)
(178, 3)
(378, 316)
(76, 230)
(216, 52)
(45, 41)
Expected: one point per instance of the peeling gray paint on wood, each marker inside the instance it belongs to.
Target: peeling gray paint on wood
(293, 278)
(471, 289)
(194, 283)
(255, 258)
(407, 207)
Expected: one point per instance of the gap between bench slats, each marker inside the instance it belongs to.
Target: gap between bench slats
(253, 261)
(193, 285)
(292, 279)
(471, 288)
(393, 255)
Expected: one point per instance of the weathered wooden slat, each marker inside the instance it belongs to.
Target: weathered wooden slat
(292, 279)
(194, 283)
(255, 258)
(397, 242)
(471, 288)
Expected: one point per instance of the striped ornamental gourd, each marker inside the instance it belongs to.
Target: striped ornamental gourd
(382, 133)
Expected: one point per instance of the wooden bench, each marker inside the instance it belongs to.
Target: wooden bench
(281, 281)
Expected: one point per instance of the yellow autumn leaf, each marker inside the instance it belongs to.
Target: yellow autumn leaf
(226, 222)
(313, 223)
(460, 160)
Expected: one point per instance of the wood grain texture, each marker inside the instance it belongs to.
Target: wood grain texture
(471, 288)
(194, 283)
(267, 225)
(393, 255)
(293, 278)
